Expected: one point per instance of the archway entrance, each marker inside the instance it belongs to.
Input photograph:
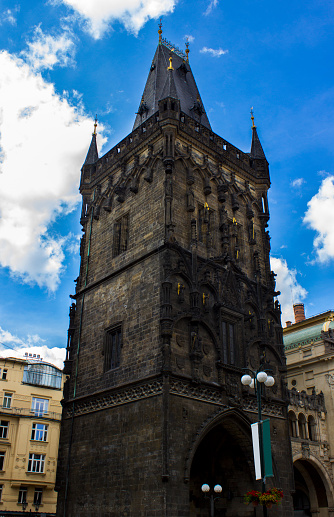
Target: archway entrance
(223, 457)
(311, 493)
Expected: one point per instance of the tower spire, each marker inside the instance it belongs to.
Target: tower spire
(170, 75)
(92, 155)
(257, 151)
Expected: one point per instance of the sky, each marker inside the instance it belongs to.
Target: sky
(64, 61)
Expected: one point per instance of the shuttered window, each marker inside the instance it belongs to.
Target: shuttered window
(112, 348)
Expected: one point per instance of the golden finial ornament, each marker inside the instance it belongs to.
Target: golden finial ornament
(170, 64)
(95, 125)
(160, 30)
(252, 117)
(187, 50)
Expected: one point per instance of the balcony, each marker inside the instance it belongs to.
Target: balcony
(28, 413)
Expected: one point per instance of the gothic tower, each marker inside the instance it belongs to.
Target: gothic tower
(174, 298)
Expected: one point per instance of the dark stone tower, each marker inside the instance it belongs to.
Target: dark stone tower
(175, 296)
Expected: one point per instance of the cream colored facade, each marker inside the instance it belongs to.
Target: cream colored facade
(309, 348)
(30, 414)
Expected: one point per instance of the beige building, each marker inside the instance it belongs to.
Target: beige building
(30, 413)
(309, 348)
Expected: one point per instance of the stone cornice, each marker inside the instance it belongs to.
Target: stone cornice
(153, 386)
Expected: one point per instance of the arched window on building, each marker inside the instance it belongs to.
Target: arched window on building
(302, 426)
(312, 428)
(293, 425)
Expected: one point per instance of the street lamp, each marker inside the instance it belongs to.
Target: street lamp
(255, 380)
(217, 490)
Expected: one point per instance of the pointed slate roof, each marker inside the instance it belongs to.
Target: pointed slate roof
(256, 149)
(179, 83)
(92, 155)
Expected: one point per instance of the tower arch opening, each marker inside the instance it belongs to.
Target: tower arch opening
(223, 456)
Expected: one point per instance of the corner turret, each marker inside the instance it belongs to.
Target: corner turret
(257, 151)
(89, 166)
(92, 155)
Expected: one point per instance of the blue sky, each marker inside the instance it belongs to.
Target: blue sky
(63, 61)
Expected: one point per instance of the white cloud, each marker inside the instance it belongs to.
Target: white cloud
(210, 7)
(214, 52)
(9, 15)
(291, 291)
(320, 217)
(189, 38)
(99, 14)
(297, 183)
(46, 51)
(43, 142)
(32, 344)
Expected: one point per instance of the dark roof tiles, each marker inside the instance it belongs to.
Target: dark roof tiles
(179, 84)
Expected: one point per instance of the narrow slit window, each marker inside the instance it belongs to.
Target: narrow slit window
(121, 235)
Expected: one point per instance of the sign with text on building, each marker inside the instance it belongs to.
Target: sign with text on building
(264, 439)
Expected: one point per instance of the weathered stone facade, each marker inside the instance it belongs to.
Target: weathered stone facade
(175, 296)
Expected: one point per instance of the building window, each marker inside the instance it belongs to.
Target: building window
(112, 350)
(4, 428)
(228, 341)
(2, 460)
(22, 499)
(41, 374)
(121, 235)
(38, 496)
(4, 374)
(309, 375)
(39, 432)
(36, 463)
(1, 489)
(7, 400)
(205, 225)
(39, 406)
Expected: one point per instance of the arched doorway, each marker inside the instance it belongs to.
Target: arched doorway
(312, 489)
(224, 456)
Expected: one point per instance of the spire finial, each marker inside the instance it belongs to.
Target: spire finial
(170, 64)
(187, 50)
(160, 30)
(252, 117)
(95, 125)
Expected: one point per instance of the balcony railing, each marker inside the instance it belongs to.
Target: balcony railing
(26, 412)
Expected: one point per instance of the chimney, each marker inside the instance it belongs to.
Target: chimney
(298, 309)
(288, 323)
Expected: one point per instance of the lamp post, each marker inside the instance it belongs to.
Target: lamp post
(217, 489)
(255, 379)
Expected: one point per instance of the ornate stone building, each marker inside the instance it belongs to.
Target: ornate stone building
(175, 296)
(309, 345)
